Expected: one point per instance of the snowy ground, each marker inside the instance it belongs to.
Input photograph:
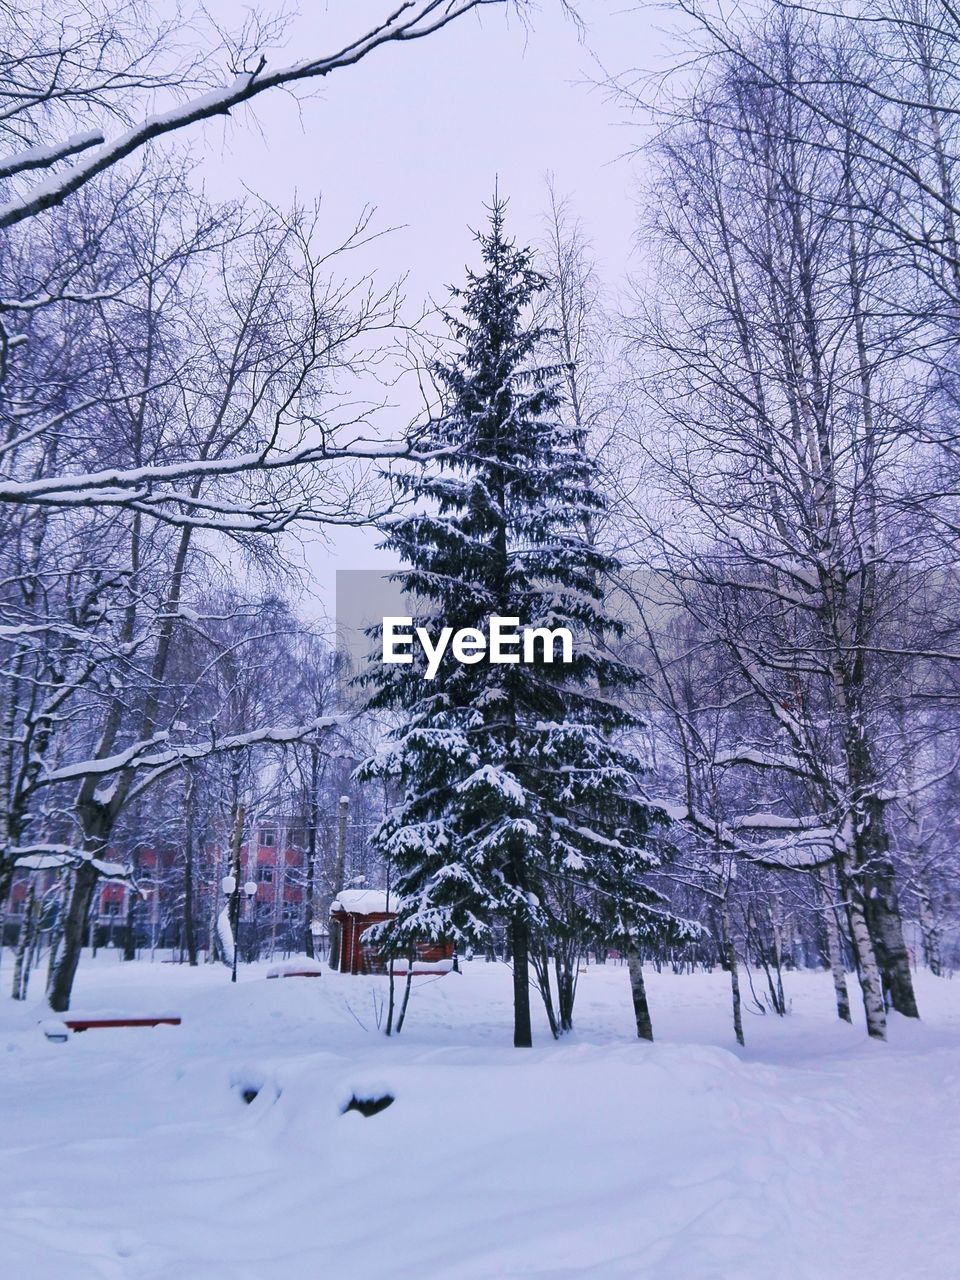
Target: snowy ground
(130, 1155)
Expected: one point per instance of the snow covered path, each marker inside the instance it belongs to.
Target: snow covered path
(130, 1155)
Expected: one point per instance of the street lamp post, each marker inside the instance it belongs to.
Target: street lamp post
(248, 891)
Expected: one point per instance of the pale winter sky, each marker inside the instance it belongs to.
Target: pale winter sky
(422, 131)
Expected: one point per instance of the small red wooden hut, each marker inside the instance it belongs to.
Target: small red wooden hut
(355, 910)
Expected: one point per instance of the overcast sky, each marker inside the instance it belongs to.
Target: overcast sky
(423, 130)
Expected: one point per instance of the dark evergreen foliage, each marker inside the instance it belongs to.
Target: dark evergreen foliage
(519, 799)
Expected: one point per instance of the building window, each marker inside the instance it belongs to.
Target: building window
(265, 874)
(268, 838)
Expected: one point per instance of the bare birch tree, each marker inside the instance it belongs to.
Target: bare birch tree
(777, 439)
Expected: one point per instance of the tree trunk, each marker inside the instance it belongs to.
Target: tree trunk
(129, 935)
(189, 913)
(236, 843)
(638, 991)
(835, 952)
(339, 873)
(520, 949)
(781, 1000)
(931, 936)
(189, 921)
(730, 964)
(871, 982)
(313, 821)
(391, 995)
(71, 943)
(24, 939)
(406, 993)
(34, 951)
(213, 936)
(56, 932)
(886, 930)
(540, 960)
(566, 989)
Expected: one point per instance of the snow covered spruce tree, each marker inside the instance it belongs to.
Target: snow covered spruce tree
(510, 775)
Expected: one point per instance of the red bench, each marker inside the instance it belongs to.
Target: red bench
(57, 1028)
(83, 1024)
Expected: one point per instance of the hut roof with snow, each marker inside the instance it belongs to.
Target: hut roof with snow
(354, 911)
(361, 902)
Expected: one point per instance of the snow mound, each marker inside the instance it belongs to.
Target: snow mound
(300, 967)
(401, 964)
(134, 1158)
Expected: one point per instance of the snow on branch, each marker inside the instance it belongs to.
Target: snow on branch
(42, 157)
(805, 843)
(51, 857)
(135, 485)
(411, 20)
(144, 756)
(759, 760)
